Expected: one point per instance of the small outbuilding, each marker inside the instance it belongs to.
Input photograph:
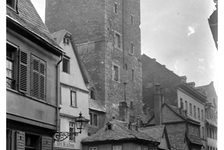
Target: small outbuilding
(118, 135)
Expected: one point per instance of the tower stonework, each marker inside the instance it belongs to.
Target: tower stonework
(107, 36)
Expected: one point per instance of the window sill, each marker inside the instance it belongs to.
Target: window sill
(30, 97)
(73, 106)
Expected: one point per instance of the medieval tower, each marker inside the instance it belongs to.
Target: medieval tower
(107, 36)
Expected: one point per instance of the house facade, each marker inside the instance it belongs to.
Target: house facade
(210, 114)
(73, 92)
(107, 36)
(31, 66)
(183, 132)
(193, 102)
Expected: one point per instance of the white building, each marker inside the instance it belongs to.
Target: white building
(74, 92)
(193, 102)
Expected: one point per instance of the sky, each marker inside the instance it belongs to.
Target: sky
(176, 33)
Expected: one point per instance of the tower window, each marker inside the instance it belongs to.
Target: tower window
(132, 19)
(115, 8)
(132, 48)
(116, 73)
(117, 40)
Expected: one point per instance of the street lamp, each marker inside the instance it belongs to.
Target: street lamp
(79, 122)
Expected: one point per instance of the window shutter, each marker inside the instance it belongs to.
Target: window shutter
(23, 72)
(20, 140)
(42, 80)
(35, 77)
(46, 143)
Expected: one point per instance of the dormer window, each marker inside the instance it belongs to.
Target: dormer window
(11, 3)
(66, 39)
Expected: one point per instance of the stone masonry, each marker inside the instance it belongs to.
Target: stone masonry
(93, 24)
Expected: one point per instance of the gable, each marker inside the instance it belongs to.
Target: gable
(169, 115)
(75, 76)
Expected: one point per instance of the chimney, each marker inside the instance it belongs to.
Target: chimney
(183, 79)
(191, 84)
(157, 105)
(123, 111)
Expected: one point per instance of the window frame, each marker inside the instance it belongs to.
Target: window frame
(14, 7)
(116, 8)
(71, 98)
(118, 42)
(113, 73)
(67, 65)
(15, 64)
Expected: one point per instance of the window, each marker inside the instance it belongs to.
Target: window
(32, 142)
(126, 66)
(11, 3)
(72, 131)
(73, 99)
(93, 119)
(66, 40)
(132, 74)
(199, 117)
(202, 132)
(190, 109)
(186, 108)
(66, 65)
(116, 73)
(117, 40)
(132, 19)
(92, 148)
(181, 103)
(38, 78)
(132, 48)
(194, 111)
(117, 147)
(10, 66)
(115, 8)
(202, 115)
(92, 94)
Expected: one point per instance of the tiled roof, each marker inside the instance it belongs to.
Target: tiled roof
(117, 132)
(157, 133)
(154, 131)
(194, 140)
(28, 18)
(95, 105)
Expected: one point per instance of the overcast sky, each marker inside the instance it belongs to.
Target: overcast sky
(177, 34)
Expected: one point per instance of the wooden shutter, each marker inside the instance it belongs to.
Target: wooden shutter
(42, 80)
(38, 78)
(23, 72)
(20, 140)
(46, 143)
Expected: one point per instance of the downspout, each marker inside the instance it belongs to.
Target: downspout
(58, 93)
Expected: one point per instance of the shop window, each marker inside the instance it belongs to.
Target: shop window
(117, 147)
(32, 142)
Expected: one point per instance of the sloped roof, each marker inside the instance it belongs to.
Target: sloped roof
(58, 37)
(194, 140)
(154, 131)
(28, 18)
(118, 132)
(95, 105)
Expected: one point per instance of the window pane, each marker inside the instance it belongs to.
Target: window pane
(73, 99)
(117, 147)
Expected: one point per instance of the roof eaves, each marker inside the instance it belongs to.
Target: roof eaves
(56, 48)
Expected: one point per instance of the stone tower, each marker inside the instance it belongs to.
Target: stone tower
(107, 36)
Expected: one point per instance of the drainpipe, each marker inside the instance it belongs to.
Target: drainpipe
(58, 93)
